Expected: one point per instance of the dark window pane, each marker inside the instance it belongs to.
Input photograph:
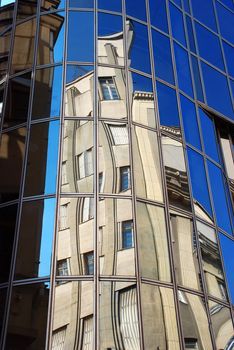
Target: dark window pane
(229, 55)
(136, 9)
(228, 3)
(81, 3)
(80, 36)
(34, 248)
(197, 79)
(204, 12)
(226, 19)
(183, 70)
(114, 5)
(227, 247)
(177, 24)
(47, 89)
(162, 57)
(89, 263)
(41, 169)
(11, 161)
(186, 5)
(168, 109)
(3, 295)
(189, 116)
(209, 136)
(4, 52)
(125, 179)
(158, 14)
(127, 234)
(199, 184)
(190, 34)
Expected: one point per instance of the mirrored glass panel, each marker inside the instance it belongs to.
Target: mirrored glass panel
(34, 250)
(226, 18)
(177, 24)
(147, 170)
(158, 14)
(110, 38)
(2, 87)
(7, 233)
(112, 93)
(79, 91)
(26, 9)
(6, 14)
(73, 315)
(3, 295)
(52, 5)
(41, 170)
(114, 158)
(11, 161)
(229, 55)
(4, 52)
(226, 147)
(136, 9)
(227, 246)
(195, 325)
(183, 70)
(81, 3)
(159, 318)
(185, 251)
(191, 39)
(168, 109)
(16, 111)
(197, 79)
(114, 5)
(48, 84)
(118, 316)
(176, 174)
(78, 156)
(211, 261)
(116, 237)
(152, 242)
(204, 12)
(28, 317)
(51, 37)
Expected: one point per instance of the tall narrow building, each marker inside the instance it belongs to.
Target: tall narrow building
(117, 174)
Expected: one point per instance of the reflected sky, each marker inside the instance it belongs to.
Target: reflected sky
(52, 157)
(227, 246)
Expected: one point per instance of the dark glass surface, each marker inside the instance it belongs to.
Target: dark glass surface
(108, 25)
(228, 3)
(7, 233)
(136, 9)
(81, 3)
(2, 88)
(11, 161)
(168, 108)
(26, 9)
(226, 19)
(186, 5)
(41, 171)
(51, 39)
(197, 79)
(219, 198)
(189, 116)
(177, 24)
(162, 57)
(229, 55)
(183, 70)
(227, 246)
(158, 14)
(28, 317)
(209, 135)
(80, 47)
(139, 47)
(17, 102)
(218, 98)
(34, 250)
(3, 295)
(114, 5)
(48, 84)
(204, 12)
(212, 52)
(199, 185)
(190, 34)
(4, 51)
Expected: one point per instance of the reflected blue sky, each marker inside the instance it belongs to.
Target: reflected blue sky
(52, 157)
(227, 246)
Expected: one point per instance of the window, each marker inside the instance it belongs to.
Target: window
(101, 182)
(119, 134)
(88, 262)
(88, 333)
(109, 90)
(62, 268)
(58, 338)
(64, 172)
(87, 213)
(190, 343)
(127, 234)
(125, 180)
(63, 217)
(85, 163)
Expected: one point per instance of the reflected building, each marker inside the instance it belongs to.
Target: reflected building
(117, 172)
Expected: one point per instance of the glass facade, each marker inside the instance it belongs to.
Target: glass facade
(117, 174)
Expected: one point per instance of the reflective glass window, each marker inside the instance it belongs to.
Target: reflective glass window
(125, 178)
(199, 185)
(4, 52)
(2, 88)
(168, 108)
(183, 70)
(41, 171)
(217, 91)
(228, 3)
(186, 5)
(127, 234)
(212, 52)
(189, 116)
(81, 3)
(219, 198)
(204, 12)
(89, 263)
(114, 5)
(108, 25)
(229, 55)
(26, 8)
(226, 147)
(51, 39)
(136, 9)
(3, 296)
(49, 5)
(158, 14)
(226, 19)
(227, 247)
(48, 84)
(192, 45)
(162, 57)
(80, 45)
(177, 24)
(197, 78)
(139, 47)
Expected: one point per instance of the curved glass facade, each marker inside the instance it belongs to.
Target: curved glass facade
(117, 174)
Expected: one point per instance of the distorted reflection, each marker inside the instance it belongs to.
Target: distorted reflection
(159, 318)
(41, 170)
(11, 161)
(48, 83)
(168, 109)
(2, 87)
(211, 261)
(4, 51)
(118, 316)
(222, 325)
(3, 295)
(185, 251)
(7, 234)
(79, 91)
(47, 5)
(75, 237)
(176, 175)
(78, 156)
(17, 103)
(114, 5)
(6, 14)
(28, 317)
(72, 326)
(34, 249)
(146, 164)
(114, 158)
(116, 237)
(227, 246)
(226, 147)
(195, 325)
(26, 8)
(110, 26)
(152, 242)
(51, 37)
